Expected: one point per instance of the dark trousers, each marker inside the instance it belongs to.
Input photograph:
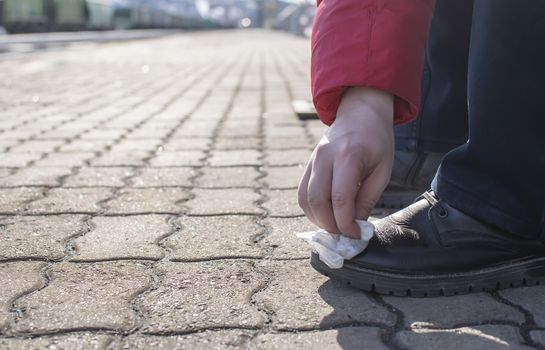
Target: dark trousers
(485, 72)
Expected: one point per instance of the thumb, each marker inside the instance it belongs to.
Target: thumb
(371, 189)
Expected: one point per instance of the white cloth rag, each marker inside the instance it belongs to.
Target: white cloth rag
(333, 249)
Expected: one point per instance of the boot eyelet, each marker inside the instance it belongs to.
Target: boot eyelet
(443, 213)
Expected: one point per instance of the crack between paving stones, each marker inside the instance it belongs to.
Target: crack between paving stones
(78, 137)
(134, 298)
(263, 198)
(121, 335)
(70, 246)
(527, 326)
(17, 312)
(388, 335)
(156, 279)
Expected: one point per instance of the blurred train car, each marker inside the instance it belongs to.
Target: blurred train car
(49, 15)
(60, 15)
(295, 18)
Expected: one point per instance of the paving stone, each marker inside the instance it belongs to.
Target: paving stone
(58, 134)
(486, 337)
(64, 159)
(229, 143)
(334, 339)
(147, 200)
(282, 203)
(531, 299)
(196, 129)
(85, 146)
(285, 130)
(177, 144)
(139, 145)
(5, 144)
(283, 177)
(84, 296)
(72, 341)
(446, 312)
(99, 177)
(192, 296)
(41, 237)
(281, 237)
(300, 298)
(18, 278)
(207, 340)
(251, 130)
(234, 158)
(19, 134)
(538, 336)
(178, 158)
(287, 143)
(230, 201)
(103, 134)
(215, 237)
(156, 177)
(71, 200)
(123, 237)
(287, 157)
(18, 160)
(37, 146)
(121, 158)
(4, 172)
(35, 176)
(13, 200)
(228, 177)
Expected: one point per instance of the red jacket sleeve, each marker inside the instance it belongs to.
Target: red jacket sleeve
(373, 43)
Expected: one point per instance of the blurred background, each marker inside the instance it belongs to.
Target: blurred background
(36, 16)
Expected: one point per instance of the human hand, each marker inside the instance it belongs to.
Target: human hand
(351, 166)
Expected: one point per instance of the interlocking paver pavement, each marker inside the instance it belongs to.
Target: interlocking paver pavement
(192, 296)
(39, 237)
(135, 237)
(71, 341)
(486, 337)
(344, 338)
(17, 279)
(35, 176)
(456, 310)
(207, 340)
(228, 177)
(224, 201)
(281, 203)
(297, 298)
(70, 200)
(148, 200)
(201, 238)
(82, 297)
(282, 241)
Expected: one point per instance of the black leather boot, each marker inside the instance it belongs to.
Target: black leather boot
(433, 249)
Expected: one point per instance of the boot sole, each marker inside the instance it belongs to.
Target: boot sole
(515, 274)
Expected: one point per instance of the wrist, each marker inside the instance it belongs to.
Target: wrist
(362, 103)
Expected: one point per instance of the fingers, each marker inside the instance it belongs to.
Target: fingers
(302, 193)
(319, 191)
(347, 174)
(371, 189)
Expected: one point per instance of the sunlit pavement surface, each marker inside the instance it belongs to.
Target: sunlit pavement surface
(148, 200)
